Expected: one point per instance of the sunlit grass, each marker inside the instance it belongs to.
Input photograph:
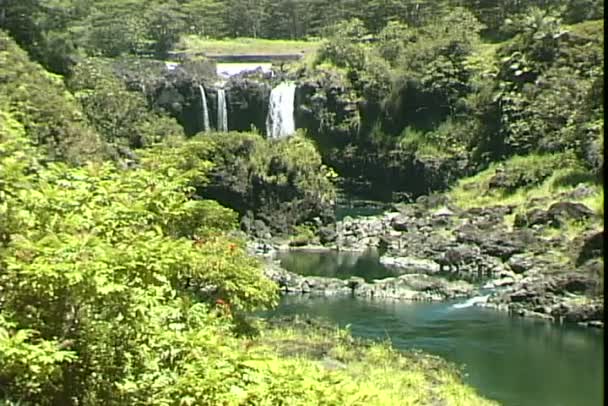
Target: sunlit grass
(474, 191)
(382, 375)
(244, 46)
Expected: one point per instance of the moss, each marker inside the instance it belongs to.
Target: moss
(588, 29)
(303, 235)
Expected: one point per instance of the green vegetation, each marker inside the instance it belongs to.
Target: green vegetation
(522, 179)
(123, 279)
(281, 183)
(442, 102)
(382, 375)
(118, 288)
(535, 182)
(40, 102)
(121, 116)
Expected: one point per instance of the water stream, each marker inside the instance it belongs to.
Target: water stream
(280, 120)
(518, 362)
(222, 111)
(205, 109)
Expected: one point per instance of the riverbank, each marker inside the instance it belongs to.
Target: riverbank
(515, 361)
(382, 375)
(537, 263)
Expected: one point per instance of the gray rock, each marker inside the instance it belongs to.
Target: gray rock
(521, 263)
(591, 247)
(569, 210)
(400, 223)
(443, 212)
(411, 264)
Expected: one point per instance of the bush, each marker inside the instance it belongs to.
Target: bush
(39, 101)
(282, 182)
(521, 172)
(122, 117)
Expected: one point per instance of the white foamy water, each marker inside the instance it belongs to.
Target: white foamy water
(205, 110)
(171, 65)
(280, 120)
(226, 70)
(222, 111)
(471, 302)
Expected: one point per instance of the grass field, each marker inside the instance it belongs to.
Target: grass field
(244, 46)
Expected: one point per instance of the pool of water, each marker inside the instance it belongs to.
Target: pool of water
(341, 265)
(515, 361)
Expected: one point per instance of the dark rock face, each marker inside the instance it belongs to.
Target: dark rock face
(327, 234)
(559, 297)
(326, 106)
(568, 211)
(521, 263)
(247, 101)
(533, 275)
(496, 244)
(531, 218)
(400, 223)
(175, 91)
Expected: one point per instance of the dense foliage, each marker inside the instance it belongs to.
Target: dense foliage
(102, 269)
(275, 185)
(119, 286)
(121, 116)
(55, 30)
(40, 102)
(438, 101)
(121, 282)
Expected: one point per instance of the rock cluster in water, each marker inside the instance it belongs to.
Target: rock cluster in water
(529, 270)
(414, 287)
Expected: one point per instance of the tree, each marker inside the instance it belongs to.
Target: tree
(165, 22)
(121, 116)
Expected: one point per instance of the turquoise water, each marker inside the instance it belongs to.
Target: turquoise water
(515, 361)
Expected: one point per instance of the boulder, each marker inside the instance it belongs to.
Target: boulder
(327, 234)
(592, 247)
(570, 211)
(411, 264)
(521, 263)
(401, 223)
(531, 218)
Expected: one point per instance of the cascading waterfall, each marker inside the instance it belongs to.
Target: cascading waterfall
(222, 111)
(206, 127)
(280, 121)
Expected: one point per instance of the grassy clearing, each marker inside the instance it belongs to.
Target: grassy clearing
(245, 46)
(381, 375)
(564, 177)
(589, 28)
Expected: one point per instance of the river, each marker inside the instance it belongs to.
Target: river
(518, 362)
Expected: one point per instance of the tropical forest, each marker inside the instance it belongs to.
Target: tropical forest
(301, 202)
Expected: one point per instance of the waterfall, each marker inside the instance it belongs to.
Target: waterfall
(205, 110)
(222, 111)
(280, 121)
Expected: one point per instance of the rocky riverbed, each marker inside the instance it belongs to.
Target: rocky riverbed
(414, 287)
(525, 258)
